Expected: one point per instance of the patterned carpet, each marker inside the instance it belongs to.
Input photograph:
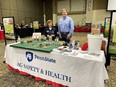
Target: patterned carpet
(13, 79)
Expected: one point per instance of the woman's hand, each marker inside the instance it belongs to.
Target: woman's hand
(52, 35)
(60, 36)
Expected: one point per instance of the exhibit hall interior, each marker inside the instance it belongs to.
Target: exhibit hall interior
(57, 43)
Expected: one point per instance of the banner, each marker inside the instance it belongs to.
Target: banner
(78, 71)
(9, 26)
(35, 25)
(112, 41)
(107, 26)
(113, 33)
(111, 5)
(107, 23)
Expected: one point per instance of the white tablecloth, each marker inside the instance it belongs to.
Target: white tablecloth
(82, 70)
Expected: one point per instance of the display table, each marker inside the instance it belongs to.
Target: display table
(24, 32)
(82, 29)
(81, 70)
(1, 35)
(86, 29)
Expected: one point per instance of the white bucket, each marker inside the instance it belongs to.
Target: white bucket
(94, 43)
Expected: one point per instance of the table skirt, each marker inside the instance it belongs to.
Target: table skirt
(1, 35)
(36, 78)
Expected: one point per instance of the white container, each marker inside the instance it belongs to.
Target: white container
(94, 43)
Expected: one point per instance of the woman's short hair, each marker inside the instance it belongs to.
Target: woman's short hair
(49, 22)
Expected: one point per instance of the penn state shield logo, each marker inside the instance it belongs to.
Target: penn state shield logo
(29, 56)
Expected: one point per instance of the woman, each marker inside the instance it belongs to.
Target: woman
(50, 30)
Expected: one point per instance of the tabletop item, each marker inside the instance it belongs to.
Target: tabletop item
(36, 35)
(77, 44)
(22, 42)
(2, 35)
(18, 39)
(95, 30)
(57, 39)
(94, 43)
(50, 38)
(84, 46)
(45, 46)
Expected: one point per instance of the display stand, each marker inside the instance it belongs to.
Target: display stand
(9, 28)
(35, 25)
(111, 48)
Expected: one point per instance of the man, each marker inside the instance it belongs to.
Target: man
(65, 27)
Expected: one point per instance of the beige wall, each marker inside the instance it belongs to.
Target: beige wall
(99, 16)
(76, 18)
(99, 4)
(22, 10)
(99, 11)
(30, 10)
(95, 15)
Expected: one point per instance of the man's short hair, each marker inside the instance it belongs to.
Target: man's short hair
(64, 9)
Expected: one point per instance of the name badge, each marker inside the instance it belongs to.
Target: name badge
(52, 31)
(47, 31)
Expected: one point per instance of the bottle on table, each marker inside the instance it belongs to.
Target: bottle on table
(18, 39)
(73, 44)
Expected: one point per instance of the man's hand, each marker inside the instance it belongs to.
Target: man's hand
(68, 36)
(60, 36)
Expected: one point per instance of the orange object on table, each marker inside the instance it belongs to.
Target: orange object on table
(1, 35)
(84, 46)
